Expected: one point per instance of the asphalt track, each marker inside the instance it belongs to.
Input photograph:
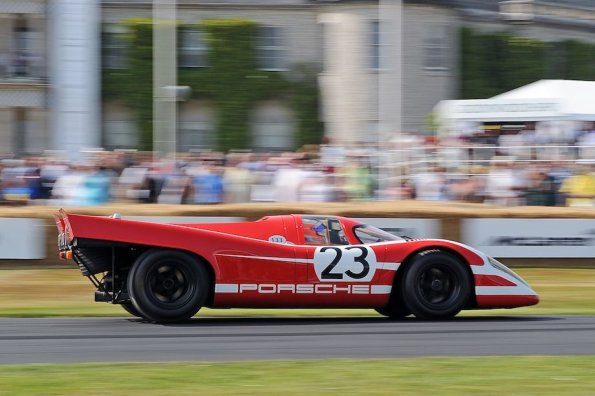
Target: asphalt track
(48, 340)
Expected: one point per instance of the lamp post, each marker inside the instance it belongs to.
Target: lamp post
(175, 94)
(390, 86)
(165, 76)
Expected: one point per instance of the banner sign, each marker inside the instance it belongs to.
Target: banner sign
(22, 238)
(531, 238)
(504, 109)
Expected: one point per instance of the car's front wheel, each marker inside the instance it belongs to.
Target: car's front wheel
(393, 311)
(168, 285)
(396, 308)
(436, 285)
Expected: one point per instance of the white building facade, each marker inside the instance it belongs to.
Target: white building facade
(382, 65)
(24, 114)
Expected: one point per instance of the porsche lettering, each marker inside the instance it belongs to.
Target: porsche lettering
(292, 288)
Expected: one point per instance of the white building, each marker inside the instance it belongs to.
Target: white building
(23, 76)
(375, 82)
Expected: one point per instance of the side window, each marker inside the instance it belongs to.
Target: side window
(315, 230)
(369, 234)
(336, 233)
(323, 231)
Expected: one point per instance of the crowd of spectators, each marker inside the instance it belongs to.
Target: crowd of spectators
(408, 168)
(196, 178)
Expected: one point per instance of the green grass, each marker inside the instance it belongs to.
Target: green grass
(535, 375)
(64, 292)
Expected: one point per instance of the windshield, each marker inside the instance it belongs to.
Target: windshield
(370, 234)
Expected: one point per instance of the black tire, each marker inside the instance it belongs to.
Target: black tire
(129, 307)
(436, 285)
(168, 285)
(394, 311)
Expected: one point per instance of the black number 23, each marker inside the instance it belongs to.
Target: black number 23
(328, 273)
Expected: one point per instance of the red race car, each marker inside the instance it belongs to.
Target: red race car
(167, 272)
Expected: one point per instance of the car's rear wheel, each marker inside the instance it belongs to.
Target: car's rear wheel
(436, 285)
(129, 307)
(168, 285)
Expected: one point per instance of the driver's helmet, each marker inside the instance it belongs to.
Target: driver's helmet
(319, 229)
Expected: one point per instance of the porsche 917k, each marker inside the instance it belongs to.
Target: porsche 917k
(167, 272)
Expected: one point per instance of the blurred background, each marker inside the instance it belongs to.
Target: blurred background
(210, 101)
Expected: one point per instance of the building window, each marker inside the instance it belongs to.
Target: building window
(271, 48)
(436, 49)
(196, 123)
(21, 58)
(193, 48)
(195, 135)
(375, 45)
(120, 134)
(119, 127)
(115, 47)
(272, 127)
(20, 130)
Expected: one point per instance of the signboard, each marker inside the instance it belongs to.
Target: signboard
(414, 228)
(531, 238)
(22, 238)
(505, 109)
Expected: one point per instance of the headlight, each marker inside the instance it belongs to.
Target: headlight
(498, 265)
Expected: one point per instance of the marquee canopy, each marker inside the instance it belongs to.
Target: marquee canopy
(543, 100)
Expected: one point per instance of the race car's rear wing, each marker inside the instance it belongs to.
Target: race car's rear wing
(65, 234)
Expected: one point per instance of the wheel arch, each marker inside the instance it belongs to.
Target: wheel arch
(199, 258)
(96, 256)
(406, 263)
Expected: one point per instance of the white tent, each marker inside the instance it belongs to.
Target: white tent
(543, 100)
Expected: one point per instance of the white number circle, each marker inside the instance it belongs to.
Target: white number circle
(345, 263)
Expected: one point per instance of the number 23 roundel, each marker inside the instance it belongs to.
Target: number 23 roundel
(345, 263)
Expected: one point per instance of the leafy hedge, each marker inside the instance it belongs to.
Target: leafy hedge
(232, 81)
(493, 63)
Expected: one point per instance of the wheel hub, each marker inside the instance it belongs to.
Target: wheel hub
(168, 283)
(436, 285)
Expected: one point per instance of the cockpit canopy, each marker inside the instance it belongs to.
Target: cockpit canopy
(329, 230)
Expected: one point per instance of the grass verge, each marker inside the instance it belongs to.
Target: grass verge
(538, 375)
(64, 292)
